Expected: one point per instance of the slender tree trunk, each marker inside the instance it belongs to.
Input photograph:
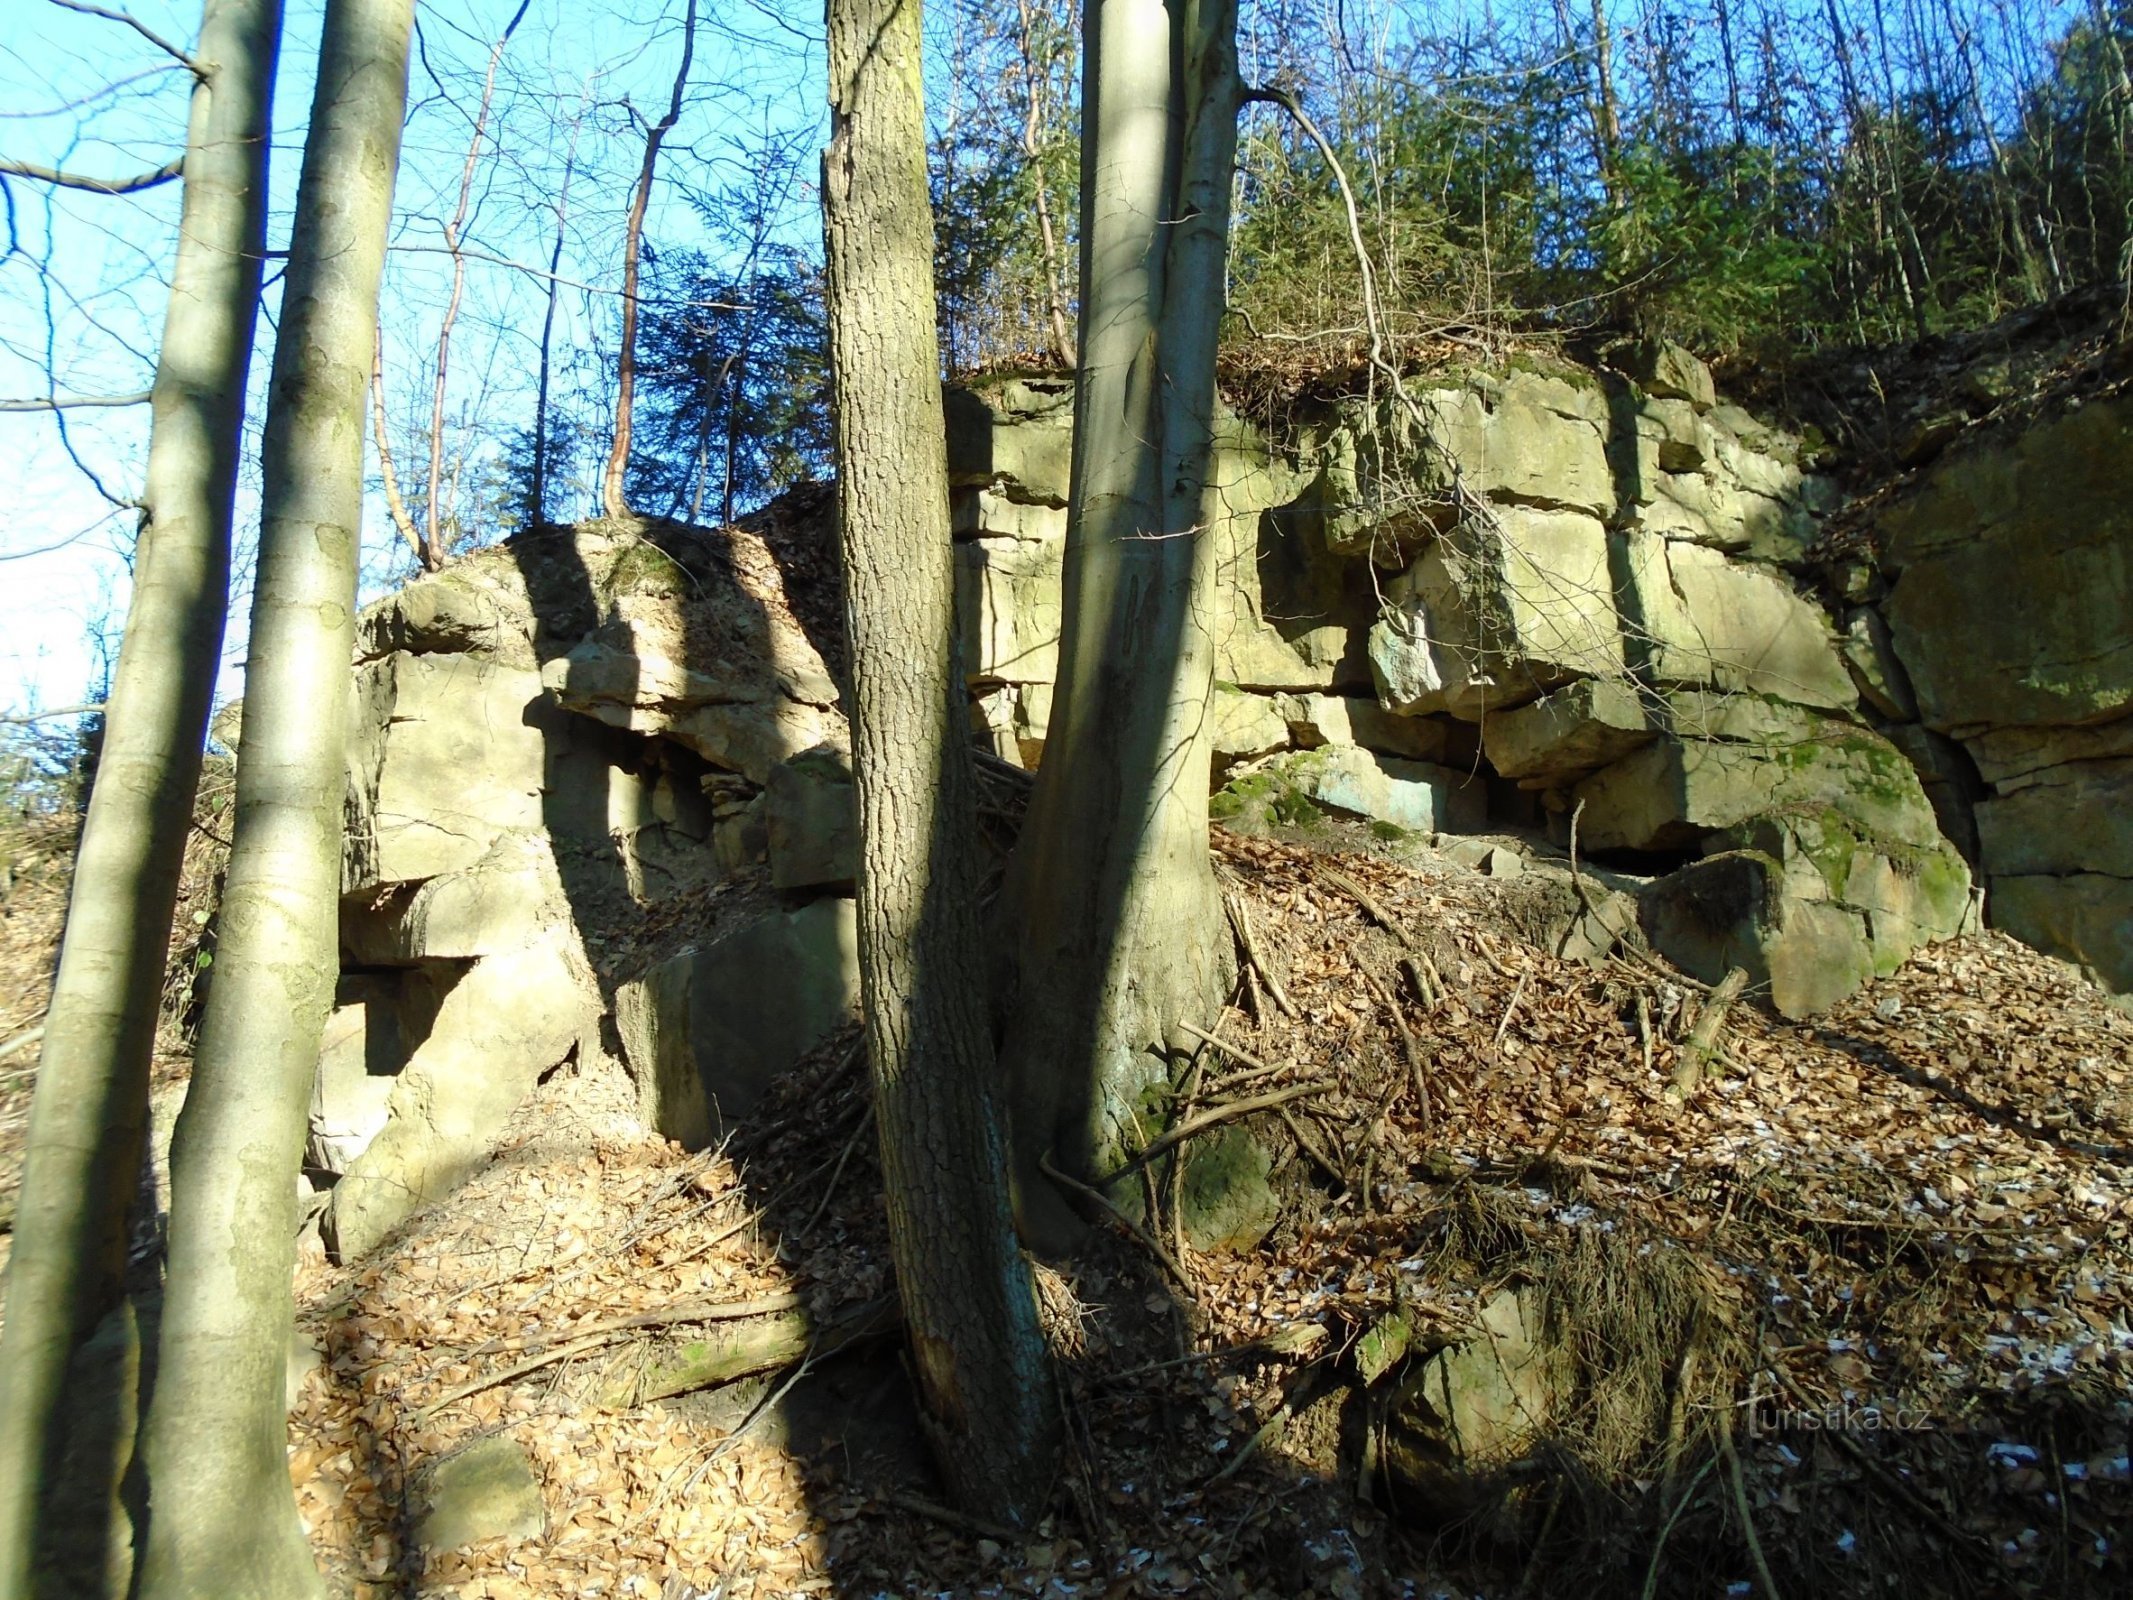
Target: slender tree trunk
(1116, 912)
(537, 493)
(388, 473)
(88, 1121)
(1036, 79)
(433, 544)
(222, 1520)
(968, 1306)
(613, 500)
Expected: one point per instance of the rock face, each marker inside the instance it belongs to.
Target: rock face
(599, 788)
(1579, 581)
(2009, 616)
(559, 743)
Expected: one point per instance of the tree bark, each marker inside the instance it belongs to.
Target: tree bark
(969, 1310)
(222, 1520)
(614, 501)
(88, 1121)
(1114, 906)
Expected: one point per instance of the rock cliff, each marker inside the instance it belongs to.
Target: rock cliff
(600, 795)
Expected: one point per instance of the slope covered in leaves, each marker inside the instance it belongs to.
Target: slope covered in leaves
(1914, 1211)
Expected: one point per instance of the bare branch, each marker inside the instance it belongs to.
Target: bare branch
(175, 168)
(182, 57)
(75, 402)
(53, 715)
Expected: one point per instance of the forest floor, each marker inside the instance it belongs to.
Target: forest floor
(1898, 1235)
(1913, 1210)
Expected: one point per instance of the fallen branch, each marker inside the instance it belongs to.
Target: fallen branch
(1408, 1048)
(1701, 1047)
(21, 1042)
(1420, 968)
(1240, 922)
(976, 1526)
(1228, 1111)
(1147, 1239)
(725, 1355)
(1259, 1069)
(1747, 1513)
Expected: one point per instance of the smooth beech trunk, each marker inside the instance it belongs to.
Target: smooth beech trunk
(222, 1520)
(969, 1311)
(89, 1118)
(1111, 895)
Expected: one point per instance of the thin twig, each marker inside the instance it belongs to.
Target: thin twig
(1226, 1112)
(1747, 1515)
(1147, 1239)
(1240, 921)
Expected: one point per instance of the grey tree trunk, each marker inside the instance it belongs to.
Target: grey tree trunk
(968, 1305)
(1112, 897)
(89, 1118)
(222, 1521)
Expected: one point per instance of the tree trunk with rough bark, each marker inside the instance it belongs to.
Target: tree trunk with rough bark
(1111, 896)
(222, 1520)
(89, 1119)
(969, 1310)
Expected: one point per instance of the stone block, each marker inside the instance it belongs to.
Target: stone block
(1737, 909)
(447, 753)
(1414, 795)
(811, 816)
(1695, 617)
(487, 1490)
(1674, 791)
(1009, 609)
(707, 1030)
(1244, 724)
(2013, 599)
(1322, 719)
(2082, 917)
(498, 1029)
(1569, 732)
(497, 904)
(745, 720)
(2066, 819)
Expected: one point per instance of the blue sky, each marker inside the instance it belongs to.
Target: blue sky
(94, 268)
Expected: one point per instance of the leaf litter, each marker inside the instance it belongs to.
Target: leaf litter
(1900, 1230)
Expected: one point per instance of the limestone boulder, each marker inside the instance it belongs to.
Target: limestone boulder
(706, 1031)
(1692, 616)
(474, 608)
(1572, 731)
(2084, 917)
(376, 1021)
(1677, 789)
(745, 721)
(2012, 604)
(1416, 796)
(486, 908)
(1009, 609)
(1244, 724)
(1739, 909)
(1229, 1203)
(1322, 719)
(447, 754)
(1477, 1407)
(811, 815)
(2065, 819)
(1013, 434)
(498, 1029)
(487, 1490)
(1497, 615)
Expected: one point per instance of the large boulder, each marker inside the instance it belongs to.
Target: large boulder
(2013, 596)
(705, 1031)
(505, 1023)
(1570, 732)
